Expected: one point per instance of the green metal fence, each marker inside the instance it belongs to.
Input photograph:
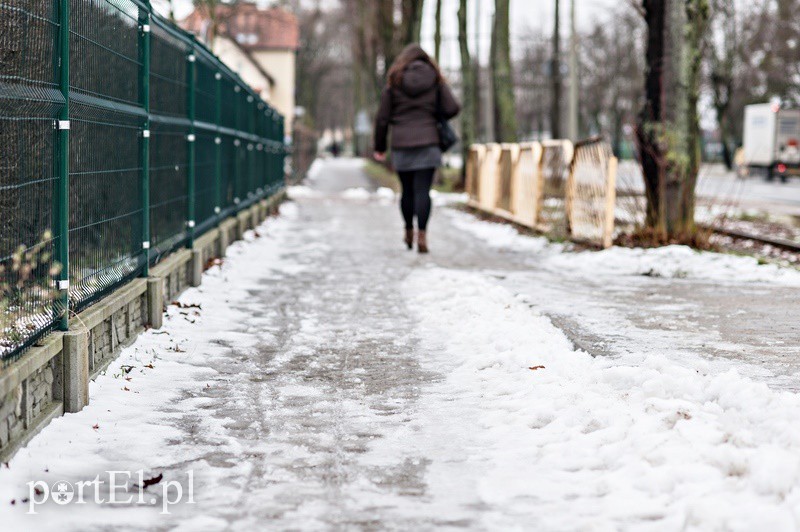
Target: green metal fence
(122, 138)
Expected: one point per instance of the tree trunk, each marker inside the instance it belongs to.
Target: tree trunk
(386, 32)
(437, 36)
(555, 73)
(470, 95)
(412, 20)
(669, 131)
(648, 132)
(504, 102)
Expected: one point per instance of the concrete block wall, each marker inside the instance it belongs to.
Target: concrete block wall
(53, 377)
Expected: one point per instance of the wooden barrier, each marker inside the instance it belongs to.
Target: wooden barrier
(556, 187)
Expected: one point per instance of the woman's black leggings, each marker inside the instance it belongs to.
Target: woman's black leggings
(416, 198)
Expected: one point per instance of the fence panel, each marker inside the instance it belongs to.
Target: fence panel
(490, 168)
(169, 161)
(101, 157)
(105, 128)
(555, 187)
(555, 165)
(29, 103)
(205, 175)
(168, 72)
(593, 192)
(473, 173)
(526, 179)
(506, 166)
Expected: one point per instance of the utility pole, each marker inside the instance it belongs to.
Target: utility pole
(555, 76)
(573, 76)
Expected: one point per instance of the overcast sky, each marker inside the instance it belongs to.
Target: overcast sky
(528, 16)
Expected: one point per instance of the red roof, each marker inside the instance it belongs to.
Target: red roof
(252, 28)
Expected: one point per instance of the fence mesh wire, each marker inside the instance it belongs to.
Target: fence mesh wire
(237, 136)
(29, 101)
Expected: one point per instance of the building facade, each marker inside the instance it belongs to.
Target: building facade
(258, 44)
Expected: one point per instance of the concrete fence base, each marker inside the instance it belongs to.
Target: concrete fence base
(53, 377)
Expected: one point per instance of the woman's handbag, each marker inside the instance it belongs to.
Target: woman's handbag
(447, 136)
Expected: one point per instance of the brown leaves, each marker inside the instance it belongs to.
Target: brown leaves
(187, 305)
(152, 481)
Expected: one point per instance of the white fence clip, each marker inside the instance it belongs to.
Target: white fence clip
(63, 125)
(249, 99)
(63, 284)
(146, 28)
(217, 210)
(217, 76)
(237, 88)
(192, 58)
(191, 137)
(190, 224)
(218, 140)
(146, 134)
(237, 142)
(146, 245)
(236, 201)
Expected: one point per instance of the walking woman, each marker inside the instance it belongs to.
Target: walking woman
(416, 97)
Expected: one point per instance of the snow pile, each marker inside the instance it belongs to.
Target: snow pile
(153, 409)
(441, 199)
(315, 169)
(301, 191)
(597, 444)
(359, 194)
(385, 193)
(504, 237)
(675, 262)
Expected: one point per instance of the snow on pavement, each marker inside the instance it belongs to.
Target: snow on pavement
(324, 378)
(599, 444)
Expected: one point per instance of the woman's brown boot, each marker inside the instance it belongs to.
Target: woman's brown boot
(422, 242)
(409, 239)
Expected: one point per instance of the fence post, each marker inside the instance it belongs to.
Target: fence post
(237, 163)
(281, 170)
(62, 193)
(192, 137)
(218, 147)
(144, 91)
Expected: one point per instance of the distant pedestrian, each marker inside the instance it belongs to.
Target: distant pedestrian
(416, 98)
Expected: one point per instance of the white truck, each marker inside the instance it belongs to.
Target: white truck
(772, 141)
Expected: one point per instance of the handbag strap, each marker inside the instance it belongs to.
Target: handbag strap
(439, 110)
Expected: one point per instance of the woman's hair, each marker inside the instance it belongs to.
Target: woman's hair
(412, 52)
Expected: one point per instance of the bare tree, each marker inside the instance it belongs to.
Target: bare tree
(437, 35)
(669, 131)
(723, 62)
(468, 81)
(324, 60)
(555, 73)
(503, 82)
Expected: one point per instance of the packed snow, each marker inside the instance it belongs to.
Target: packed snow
(496, 420)
(593, 443)
(675, 262)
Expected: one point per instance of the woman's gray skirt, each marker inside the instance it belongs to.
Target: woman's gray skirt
(408, 159)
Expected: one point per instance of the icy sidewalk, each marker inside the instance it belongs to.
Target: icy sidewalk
(325, 378)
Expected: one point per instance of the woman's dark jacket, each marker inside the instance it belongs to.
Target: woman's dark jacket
(411, 109)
